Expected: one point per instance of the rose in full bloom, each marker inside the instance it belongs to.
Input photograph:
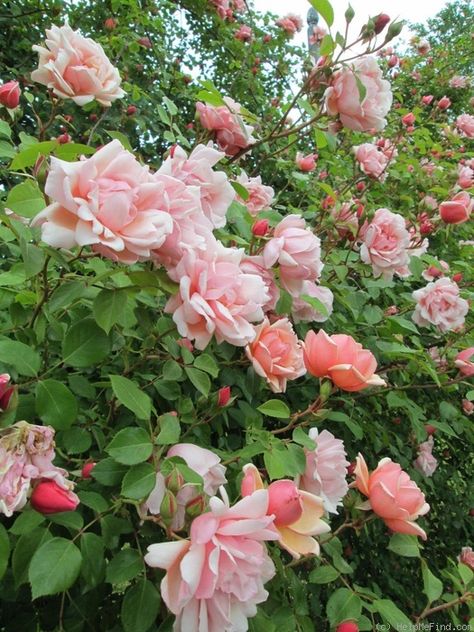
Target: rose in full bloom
(385, 245)
(343, 98)
(326, 470)
(306, 163)
(392, 495)
(244, 33)
(276, 353)
(439, 304)
(304, 311)
(260, 195)
(108, 201)
(465, 124)
(458, 81)
(372, 161)
(465, 176)
(290, 23)
(215, 580)
(48, 497)
(467, 407)
(457, 210)
(425, 462)
(254, 264)
(10, 94)
(297, 251)
(75, 67)
(464, 361)
(231, 133)
(216, 298)
(341, 359)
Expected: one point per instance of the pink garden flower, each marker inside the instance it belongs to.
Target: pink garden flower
(425, 462)
(457, 210)
(260, 195)
(297, 251)
(392, 495)
(306, 163)
(6, 391)
(467, 407)
(372, 161)
(439, 304)
(346, 219)
(75, 67)
(343, 98)
(244, 33)
(231, 133)
(276, 354)
(303, 311)
(341, 359)
(290, 23)
(215, 298)
(10, 94)
(385, 245)
(464, 361)
(254, 264)
(222, 8)
(458, 81)
(465, 124)
(215, 580)
(444, 103)
(326, 470)
(465, 176)
(467, 557)
(48, 497)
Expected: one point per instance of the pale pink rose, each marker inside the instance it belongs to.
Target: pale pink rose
(429, 202)
(392, 495)
(372, 161)
(107, 201)
(276, 354)
(385, 245)
(438, 360)
(222, 7)
(239, 6)
(326, 470)
(465, 124)
(244, 33)
(458, 81)
(303, 311)
(260, 195)
(297, 513)
(231, 133)
(297, 251)
(215, 298)
(467, 557)
(343, 98)
(255, 265)
(425, 462)
(423, 47)
(340, 358)
(458, 209)
(439, 304)
(75, 67)
(428, 166)
(196, 170)
(215, 580)
(318, 34)
(465, 176)
(468, 407)
(306, 163)
(464, 361)
(204, 462)
(290, 23)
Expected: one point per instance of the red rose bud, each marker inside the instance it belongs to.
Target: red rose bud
(196, 506)
(426, 228)
(131, 110)
(174, 481)
(223, 396)
(48, 498)
(267, 38)
(190, 126)
(93, 117)
(260, 228)
(430, 430)
(110, 24)
(10, 94)
(68, 118)
(6, 391)
(168, 507)
(87, 469)
(351, 468)
(391, 311)
(347, 626)
(63, 139)
(397, 421)
(408, 119)
(145, 42)
(456, 278)
(393, 61)
(380, 22)
(444, 103)
(426, 100)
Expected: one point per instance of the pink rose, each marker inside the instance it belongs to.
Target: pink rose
(75, 67)
(467, 557)
(290, 23)
(423, 47)
(297, 251)
(222, 7)
(343, 98)
(260, 195)
(432, 272)
(255, 265)
(465, 124)
(427, 99)
(306, 163)
(215, 580)
(303, 311)
(215, 297)
(231, 133)
(392, 495)
(458, 209)
(458, 81)
(10, 94)
(346, 219)
(408, 119)
(444, 103)
(465, 176)
(425, 462)
(6, 391)
(48, 497)
(276, 353)
(108, 201)
(372, 161)
(464, 361)
(204, 462)
(341, 359)
(468, 407)
(385, 245)
(244, 33)
(439, 304)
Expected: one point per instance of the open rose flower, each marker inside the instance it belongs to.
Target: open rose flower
(465, 124)
(372, 161)
(260, 195)
(385, 245)
(304, 311)
(231, 133)
(439, 304)
(215, 580)
(276, 353)
(465, 176)
(425, 462)
(341, 359)
(457, 210)
(290, 23)
(392, 495)
(343, 96)
(306, 163)
(254, 264)
(464, 361)
(75, 67)
(467, 557)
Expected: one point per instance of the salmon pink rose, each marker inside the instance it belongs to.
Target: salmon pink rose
(372, 161)
(306, 163)
(439, 304)
(75, 67)
(260, 196)
(457, 210)
(276, 354)
(231, 133)
(343, 96)
(465, 362)
(392, 495)
(10, 94)
(340, 358)
(465, 124)
(290, 23)
(385, 245)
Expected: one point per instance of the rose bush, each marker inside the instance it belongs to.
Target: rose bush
(229, 269)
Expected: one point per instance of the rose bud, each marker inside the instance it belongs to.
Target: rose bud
(380, 22)
(393, 61)
(360, 186)
(223, 396)
(110, 24)
(351, 468)
(87, 469)
(426, 228)
(391, 311)
(131, 110)
(63, 139)
(174, 481)
(267, 38)
(458, 209)
(408, 119)
(284, 502)
(196, 506)
(467, 406)
(189, 125)
(457, 277)
(444, 103)
(6, 391)
(427, 99)
(48, 497)
(168, 507)
(430, 430)
(260, 227)
(347, 626)
(10, 94)
(145, 42)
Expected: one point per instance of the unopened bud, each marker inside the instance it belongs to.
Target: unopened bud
(394, 30)
(260, 228)
(349, 14)
(457, 277)
(168, 507)
(381, 22)
(325, 389)
(196, 506)
(223, 396)
(174, 481)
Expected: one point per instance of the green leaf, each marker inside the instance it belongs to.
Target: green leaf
(324, 8)
(327, 47)
(392, 613)
(323, 575)
(130, 446)
(65, 295)
(70, 151)
(124, 566)
(93, 500)
(121, 137)
(26, 522)
(69, 519)
(139, 481)
(301, 437)
(240, 190)
(343, 605)
(432, 586)
(320, 138)
(140, 607)
(109, 307)
(199, 380)
(316, 303)
(5, 129)
(172, 371)
(24, 550)
(33, 258)
(27, 157)
(405, 545)
(93, 562)
(85, 344)
(55, 404)
(108, 472)
(4, 550)
(131, 396)
(207, 363)
(275, 408)
(360, 87)
(20, 356)
(170, 430)
(54, 567)
(285, 303)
